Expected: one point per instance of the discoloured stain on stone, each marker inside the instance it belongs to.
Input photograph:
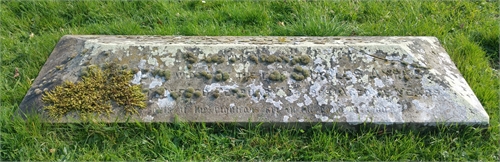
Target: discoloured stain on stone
(384, 80)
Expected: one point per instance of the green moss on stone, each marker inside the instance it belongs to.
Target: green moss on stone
(232, 60)
(174, 95)
(166, 74)
(300, 73)
(215, 95)
(276, 76)
(197, 94)
(218, 77)
(254, 58)
(306, 73)
(162, 73)
(298, 69)
(250, 77)
(159, 91)
(225, 76)
(256, 93)
(303, 60)
(295, 60)
(190, 90)
(242, 95)
(135, 70)
(270, 59)
(215, 59)
(284, 58)
(95, 93)
(206, 75)
(298, 77)
(84, 73)
(188, 95)
(190, 57)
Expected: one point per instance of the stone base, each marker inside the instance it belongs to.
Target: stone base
(276, 80)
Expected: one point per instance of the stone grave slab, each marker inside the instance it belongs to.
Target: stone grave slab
(277, 80)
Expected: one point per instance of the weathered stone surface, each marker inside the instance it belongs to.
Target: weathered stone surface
(382, 80)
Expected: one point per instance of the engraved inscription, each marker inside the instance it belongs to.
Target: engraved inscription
(336, 81)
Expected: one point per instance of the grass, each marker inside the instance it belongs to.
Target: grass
(29, 30)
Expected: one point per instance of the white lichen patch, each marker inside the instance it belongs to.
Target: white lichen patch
(352, 77)
(166, 103)
(274, 103)
(307, 100)
(285, 118)
(137, 78)
(332, 72)
(294, 97)
(142, 64)
(258, 88)
(318, 60)
(152, 61)
(379, 83)
(219, 87)
(156, 81)
(168, 61)
(281, 93)
(319, 69)
(368, 58)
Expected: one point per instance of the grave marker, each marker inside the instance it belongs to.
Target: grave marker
(280, 80)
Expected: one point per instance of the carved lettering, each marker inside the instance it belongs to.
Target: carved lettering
(224, 110)
(180, 75)
(290, 110)
(182, 109)
(271, 110)
(202, 110)
(307, 109)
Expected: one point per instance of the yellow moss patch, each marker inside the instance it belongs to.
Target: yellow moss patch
(96, 93)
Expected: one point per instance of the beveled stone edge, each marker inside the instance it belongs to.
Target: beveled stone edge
(79, 39)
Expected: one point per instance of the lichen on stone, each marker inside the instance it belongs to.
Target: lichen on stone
(189, 92)
(190, 57)
(276, 76)
(197, 94)
(174, 95)
(303, 60)
(215, 94)
(162, 73)
(98, 91)
(220, 76)
(242, 95)
(215, 59)
(232, 60)
(254, 58)
(300, 73)
(206, 75)
(269, 59)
